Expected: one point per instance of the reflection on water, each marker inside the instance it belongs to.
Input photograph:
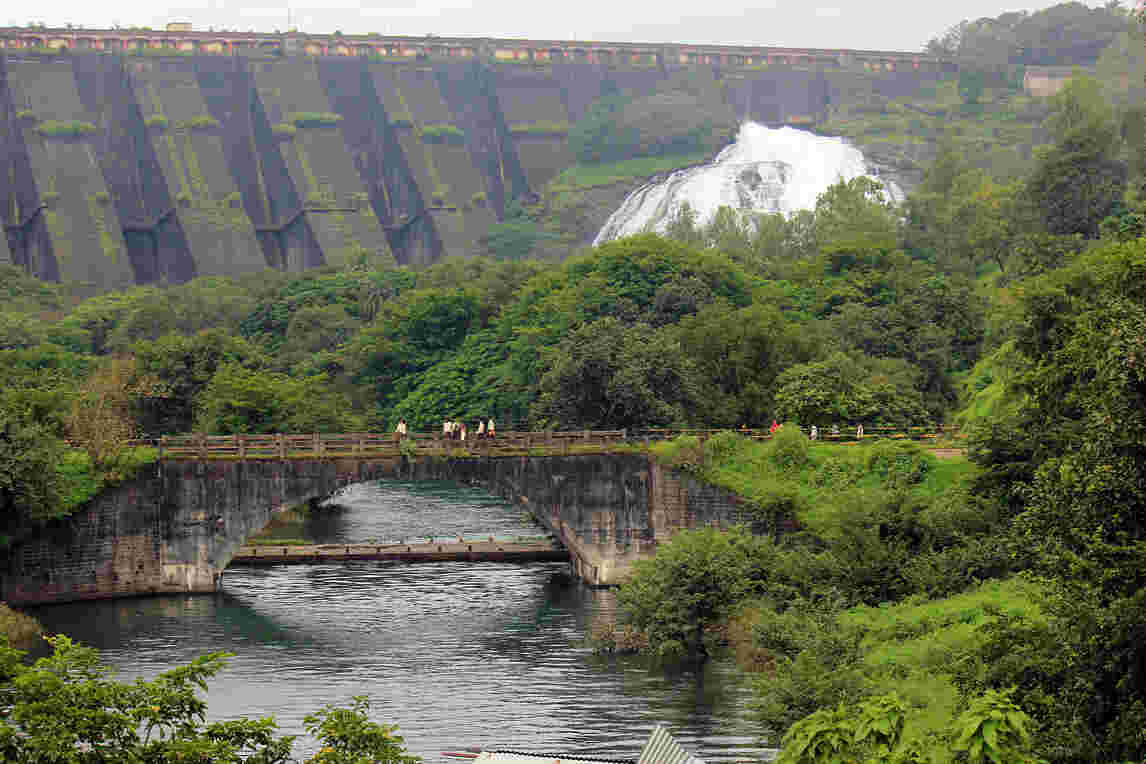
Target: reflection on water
(438, 509)
(456, 654)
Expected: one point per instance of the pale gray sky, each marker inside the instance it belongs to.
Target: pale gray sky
(873, 24)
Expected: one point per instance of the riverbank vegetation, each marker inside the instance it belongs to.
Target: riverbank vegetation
(67, 707)
(1010, 583)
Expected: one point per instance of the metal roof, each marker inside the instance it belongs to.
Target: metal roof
(663, 749)
(520, 757)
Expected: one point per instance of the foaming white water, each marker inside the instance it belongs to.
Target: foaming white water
(766, 170)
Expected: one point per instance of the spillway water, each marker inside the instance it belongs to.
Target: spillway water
(766, 170)
(455, 654)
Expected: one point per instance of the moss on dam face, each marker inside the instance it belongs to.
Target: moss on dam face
(189, 169)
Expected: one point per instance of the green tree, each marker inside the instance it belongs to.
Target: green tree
(349, 737)
(693, 583)
(855, 215)
(1079, 181)
(606, 375)
(313, 328)
(185, 365)
(409, 336)
(65, 707)
(843, 389)
(241, 400)
(738, 353)
(30, 489)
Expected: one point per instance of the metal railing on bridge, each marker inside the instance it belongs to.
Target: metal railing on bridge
(357, 445)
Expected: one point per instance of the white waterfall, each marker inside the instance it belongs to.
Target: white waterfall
(765, 170)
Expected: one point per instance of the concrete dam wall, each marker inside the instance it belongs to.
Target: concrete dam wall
(176, 529)
(119, 170)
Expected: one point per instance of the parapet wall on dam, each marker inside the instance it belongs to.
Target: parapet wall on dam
(120, 169)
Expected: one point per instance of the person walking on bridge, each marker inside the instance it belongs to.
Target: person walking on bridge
(400, 430)
(481, 429)
(489, 428)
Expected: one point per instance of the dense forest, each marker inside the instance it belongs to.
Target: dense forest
(989, 609)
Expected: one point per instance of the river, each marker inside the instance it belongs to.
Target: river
(455, 654)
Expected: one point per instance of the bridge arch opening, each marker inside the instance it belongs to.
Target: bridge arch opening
(399, 520)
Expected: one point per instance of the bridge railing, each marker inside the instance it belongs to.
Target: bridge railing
(317, 445)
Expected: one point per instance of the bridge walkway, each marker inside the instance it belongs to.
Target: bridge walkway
(512, 443)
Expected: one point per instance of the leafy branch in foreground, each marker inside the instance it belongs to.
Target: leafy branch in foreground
(67, 708)
(992, 729)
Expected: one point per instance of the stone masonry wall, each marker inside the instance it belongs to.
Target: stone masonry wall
(177, 527)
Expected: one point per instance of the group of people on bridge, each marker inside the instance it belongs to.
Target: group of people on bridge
(456, 429)
(814, 431)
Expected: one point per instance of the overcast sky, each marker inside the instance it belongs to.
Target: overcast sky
(872, 24)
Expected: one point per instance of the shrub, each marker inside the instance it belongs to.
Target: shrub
(183, 199)
(49, 198)
(725, 446)
(71, 129)
(789, 448)
(25, 115)
(102, 198)
(900, 464)
(314, 119)
(443, 134)
(402, 122)
(694, 582)
(156, 122)
(284, 131)
(233, 199)
(479, 199)
(438, 198)
(775, 504)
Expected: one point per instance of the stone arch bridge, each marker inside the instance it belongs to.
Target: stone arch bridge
(175, 527)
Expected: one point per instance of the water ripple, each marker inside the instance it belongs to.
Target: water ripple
(456, 654)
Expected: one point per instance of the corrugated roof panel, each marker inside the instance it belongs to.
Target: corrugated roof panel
(663, 749)
(519, 757)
